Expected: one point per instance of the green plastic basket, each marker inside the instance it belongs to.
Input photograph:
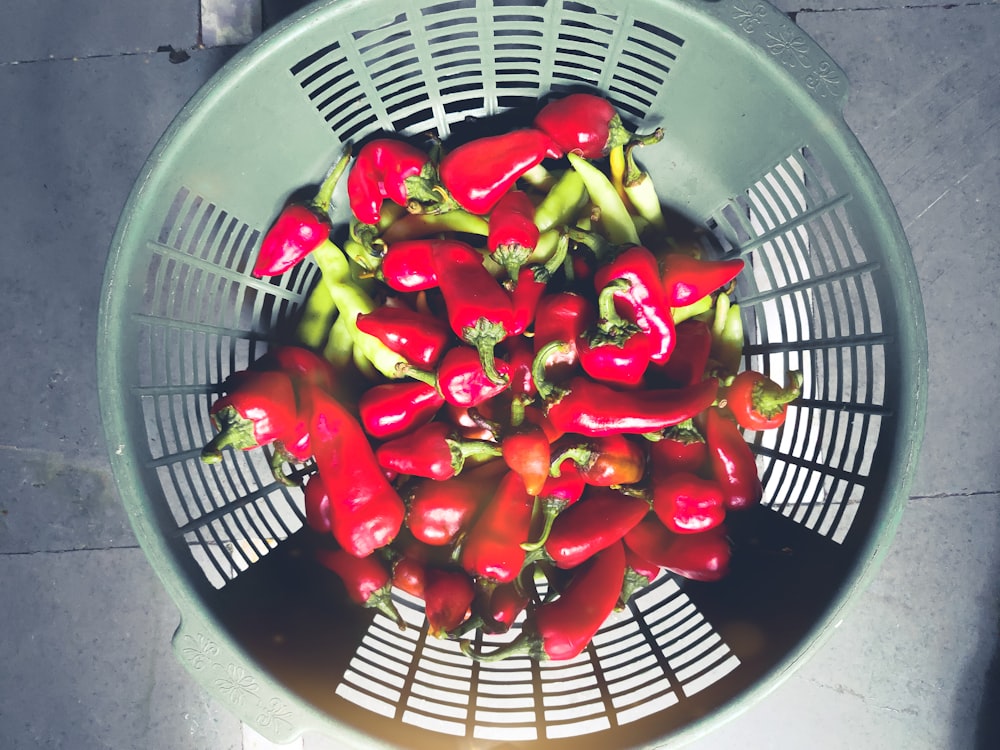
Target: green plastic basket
(756, 150)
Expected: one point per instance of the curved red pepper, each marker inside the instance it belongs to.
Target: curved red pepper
(421, 338)
(492, 548)
(478, 173)
(586, 124)
(688, 504)
(644, 297)
(699, 557)
(448, 595)
(758, 403)
(602, 461)
(686, 280)
(366, 512)
(524, 298)
(433, 451)
(563, 627)
(391, 410)
(367, 580)
(513, 234)
(598, 520)
(689, 360)
(526, 451)
(732, 462)
(260, 409)
(438, 512)
(317, 505)
(393, 169)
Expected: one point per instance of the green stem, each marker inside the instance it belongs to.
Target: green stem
(485, 335)
(463, 449)
(551, 508)
(599, 246)
(609, 318)
(582, 454)
(235, 432)
(769, 398)
(325, 194)
(525, 644)
(546, 389)
(381, 600)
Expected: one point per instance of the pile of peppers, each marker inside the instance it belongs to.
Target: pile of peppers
(513, 393)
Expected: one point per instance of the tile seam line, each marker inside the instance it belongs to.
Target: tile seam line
(943, 495)
(863, 8)
(25, 553)
(106, 55)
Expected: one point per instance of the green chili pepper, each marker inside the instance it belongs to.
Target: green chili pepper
(317, 317)
(615, 218)
(562, 203)
(727, 335)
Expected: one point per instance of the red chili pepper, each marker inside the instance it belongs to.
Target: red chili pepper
(598, 520)
(492, 548)
(448, 595)
(583, 123)
(562, 316)
(408, 265)
(639, 573)
(689, 360)
(505, 602)
(391, 410)
(732, 462)
(299, 229)
(758, 403)
(519, 356)
(421, 338)
(644, 296)
(686, 280)
(699, 557)
(616, 350)
(678, 448)
(461, 379)
(478, 173)
(596, 409)
(438, 512)
(260, 409)
(688, 504)
(433, 451)
(317, 505)
(366, 512)
(557, 494)
(409, 574)
(536, 416)
(524, 298)
(393, 169)
(513, 234)
(367, 580)
(526, 451)
(563, 627)
(602, 461)
(303, 366)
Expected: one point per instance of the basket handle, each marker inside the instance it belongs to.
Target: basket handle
(251, 698)
(776, 34)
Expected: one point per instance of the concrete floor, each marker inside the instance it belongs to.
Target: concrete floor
(85, 90)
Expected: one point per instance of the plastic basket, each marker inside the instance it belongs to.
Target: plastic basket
(757, 151)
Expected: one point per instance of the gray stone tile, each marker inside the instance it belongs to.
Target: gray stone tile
(87, 661)
(49, 503)
(924, 102)
(72, 149)
(45, 29)
(907, 667)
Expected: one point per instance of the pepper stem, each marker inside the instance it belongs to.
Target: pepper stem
(546, 389)
(463, 449)
(325, 193)
(582, 454)
(277, 463)
(551, 508)
(525, 644)
(609, 318)
(770, 399)
(485, 335)
(599, 246)
(235, 431)
(408, 370)
(633, 581)
(381, 601)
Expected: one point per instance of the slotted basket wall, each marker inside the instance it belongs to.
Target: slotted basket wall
(756, 150)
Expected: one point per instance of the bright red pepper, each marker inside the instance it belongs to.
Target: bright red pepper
(758, 403)
(505, 602)
(602, 461)
(586, 124)
(639, 573)
(644, 297)
(678, 448)
(562, 316)
(366, 512)
(526, 451)
(421, 338)
(299, 229)
(317, 505)
(393, 169)
(513, 234)
(615, 350)
(524, 298)
(732, 462)
(260, 409)
(563, 627)
(448, 595)
(303, 366)
(461, 379)
(367, 580)
(492, 548)
(688, 504)
(409, 574)
(438, 512)
(520, 356)
(698, 557)
(689, 360)
(408, 266)
(686, 280)
(477, 174)
(391, 410)
(596, 521)
(557, 494)
(433, 451)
